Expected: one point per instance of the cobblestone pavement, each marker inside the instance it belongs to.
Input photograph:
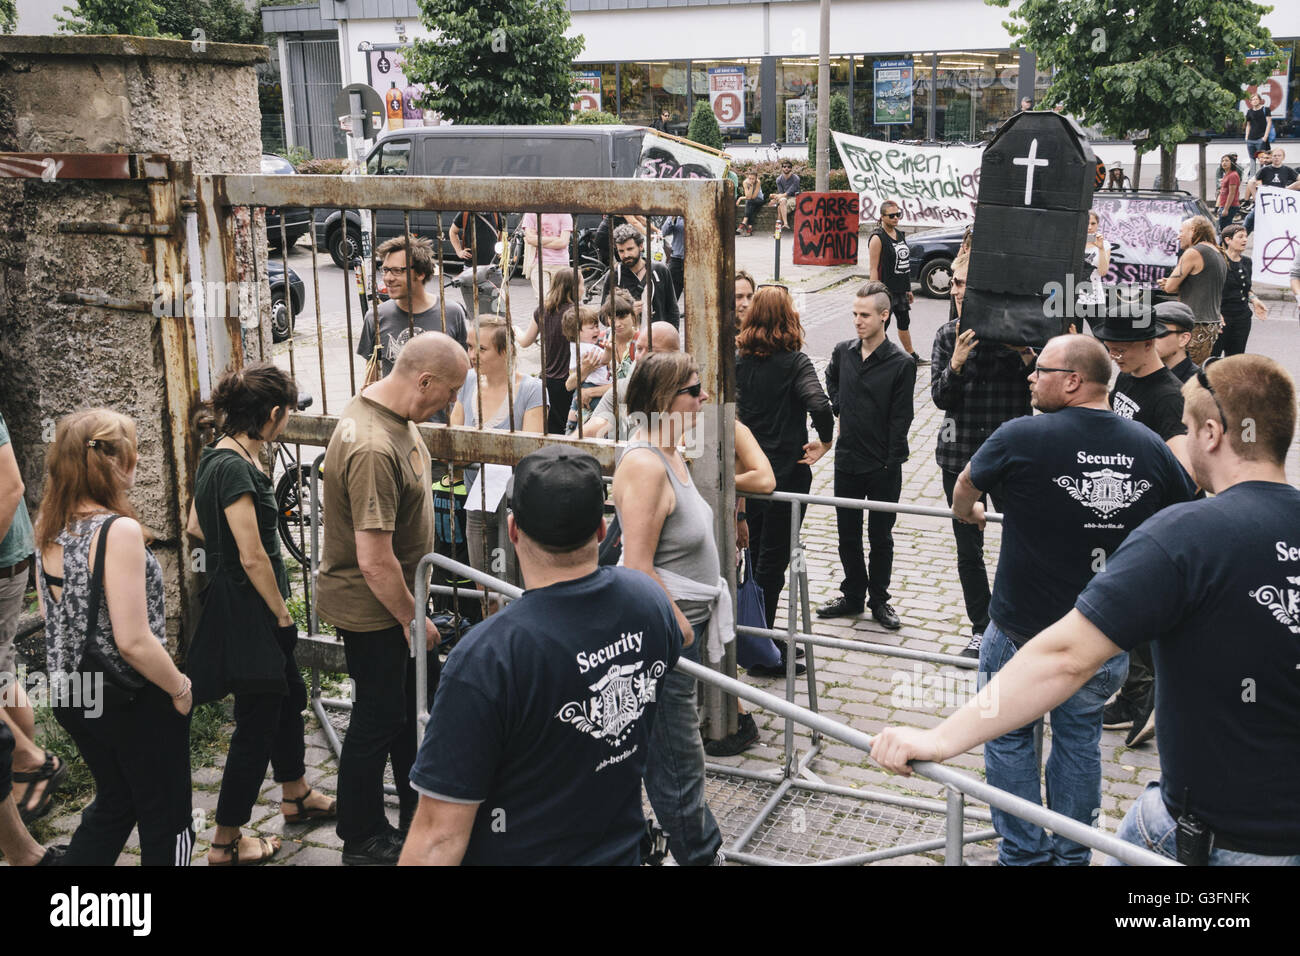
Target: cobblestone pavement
(864, 690)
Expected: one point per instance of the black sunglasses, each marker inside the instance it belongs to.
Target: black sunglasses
(890, 215)
(691, 390)
(1204, 381)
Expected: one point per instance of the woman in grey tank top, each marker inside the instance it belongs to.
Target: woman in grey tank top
(668, 526)
(1198, 278)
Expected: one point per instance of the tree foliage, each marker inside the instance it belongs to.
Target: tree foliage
(594, 118)
(8, 16)
(137, 18)
(704, 127)
(221, 21)
(496, 61)
(841, 122)
(1167, 68)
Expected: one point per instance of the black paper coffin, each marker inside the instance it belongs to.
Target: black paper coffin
(1036, 182)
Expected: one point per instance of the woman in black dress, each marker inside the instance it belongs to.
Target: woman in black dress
(1238, 299)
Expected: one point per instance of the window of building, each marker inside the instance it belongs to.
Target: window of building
(749, 117)
(865, 103)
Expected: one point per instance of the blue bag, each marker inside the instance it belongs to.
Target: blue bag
(751, 612)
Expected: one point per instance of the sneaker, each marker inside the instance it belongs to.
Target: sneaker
(917, 360)
(1118, 715)
(973, 648)
(1144, 725)
(885, 617)
(745, 736)
(840, 607)
(383, 849)
(774, 670)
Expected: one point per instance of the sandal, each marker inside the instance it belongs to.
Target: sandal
(305, 812)
(268, 850)
(48, 772)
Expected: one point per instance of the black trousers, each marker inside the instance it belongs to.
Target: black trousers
(268, 729)
(139, 755)
(1140, 683)
(558, 399)
(676, 268)
(6, 761)
(769, 537)
(752, 206)
(971, 571)
(865, 582)
(382, 729)
(1232, 340)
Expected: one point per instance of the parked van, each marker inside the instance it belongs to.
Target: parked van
(595, 152)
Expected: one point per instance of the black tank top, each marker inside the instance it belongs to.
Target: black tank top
(895, 261)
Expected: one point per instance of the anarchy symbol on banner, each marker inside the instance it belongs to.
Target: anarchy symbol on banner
(1279, 249)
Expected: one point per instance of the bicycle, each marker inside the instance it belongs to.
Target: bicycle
(293, 498)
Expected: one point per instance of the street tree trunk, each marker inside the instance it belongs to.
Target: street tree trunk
(824, 100)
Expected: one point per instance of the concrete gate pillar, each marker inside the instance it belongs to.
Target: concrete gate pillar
(83, 259)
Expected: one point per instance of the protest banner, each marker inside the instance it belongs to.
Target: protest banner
(666, 157)
(826, 229)
(1277, 235)
(934, 185)
(1142, 234)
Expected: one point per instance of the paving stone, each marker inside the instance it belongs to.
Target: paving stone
(315, 856)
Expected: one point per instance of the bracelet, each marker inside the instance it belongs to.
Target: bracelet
(185, 689)
(741, 516)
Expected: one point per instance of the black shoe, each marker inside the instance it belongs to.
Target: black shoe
(1144, 724)
(745, 736)
(1118, 715)
(973, 648)
(885, 617)
(383, 849)
(53, 855)
(774, 670)
(918, 361)
(840, 607)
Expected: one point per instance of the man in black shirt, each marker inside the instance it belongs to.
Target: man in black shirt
(1213, 583)
(632, 272)
(1073, 483)
(870, 382)
(890, 262)
(1147, 392)
(1178, 321)
(477, 253)
(979, 387)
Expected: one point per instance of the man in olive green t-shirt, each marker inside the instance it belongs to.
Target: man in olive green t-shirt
(379, 498)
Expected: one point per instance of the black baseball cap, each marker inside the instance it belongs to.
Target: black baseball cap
(557, 496)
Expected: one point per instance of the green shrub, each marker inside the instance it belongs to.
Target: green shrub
(841, 122)
(322, 167)
(704, 127)
(296, 155)
(594, 118)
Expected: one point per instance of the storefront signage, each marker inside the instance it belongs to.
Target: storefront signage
(893, 92)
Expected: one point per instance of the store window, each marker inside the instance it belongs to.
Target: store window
(634, 93)
(605, 91)
(976, 93)
(739, 79)
(881, 111)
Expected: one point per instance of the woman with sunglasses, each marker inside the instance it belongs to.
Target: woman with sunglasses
(668, 534)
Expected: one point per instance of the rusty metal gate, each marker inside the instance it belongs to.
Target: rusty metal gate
(229, 322)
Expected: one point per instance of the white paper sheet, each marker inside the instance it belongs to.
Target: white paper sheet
(494, 478)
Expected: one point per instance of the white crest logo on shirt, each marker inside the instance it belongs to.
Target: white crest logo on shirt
(1105, 491)
(1283, 602)
(1124, 406)
(617, 702)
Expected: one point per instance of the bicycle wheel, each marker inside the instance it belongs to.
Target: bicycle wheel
(293, 499)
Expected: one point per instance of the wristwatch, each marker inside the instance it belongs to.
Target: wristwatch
(741, 516)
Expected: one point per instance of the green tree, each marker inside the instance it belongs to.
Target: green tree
(8, 16)
(841, 122)
(704, 127)
(131, 17)
(496, 61)
(219, 21)
(1152, 71)
(594, 118)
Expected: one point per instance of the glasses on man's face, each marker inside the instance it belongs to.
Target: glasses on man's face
(393, 270)
(1043, 370)
(1204, 381)
(889, 215)
(691, 390)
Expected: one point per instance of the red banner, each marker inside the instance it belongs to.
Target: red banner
(826, 229)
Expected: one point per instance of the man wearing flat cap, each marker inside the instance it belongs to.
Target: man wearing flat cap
(1178, 321)
(545, 709)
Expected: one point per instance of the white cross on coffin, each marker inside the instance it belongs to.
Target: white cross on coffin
(1029, 162)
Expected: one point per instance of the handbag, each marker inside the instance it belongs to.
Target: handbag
(751, 611)
(93, 662)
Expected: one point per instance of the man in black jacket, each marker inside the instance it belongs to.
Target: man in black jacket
(978, 387)
(632, 272)
(870, 381)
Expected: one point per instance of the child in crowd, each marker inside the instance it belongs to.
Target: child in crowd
(588, 360)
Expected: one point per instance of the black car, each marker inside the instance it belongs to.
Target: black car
(1140, 224)
(281, 325)
(296, 221)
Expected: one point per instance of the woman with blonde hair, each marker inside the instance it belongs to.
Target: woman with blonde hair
(115, 689)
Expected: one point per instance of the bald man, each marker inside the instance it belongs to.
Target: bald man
(378, 494)
(1072, 484)
(665, 338)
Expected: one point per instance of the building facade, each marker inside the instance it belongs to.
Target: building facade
(641, 56)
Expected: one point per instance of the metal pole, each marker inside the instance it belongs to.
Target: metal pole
(776, 252)
(956, 828)
(823, 174)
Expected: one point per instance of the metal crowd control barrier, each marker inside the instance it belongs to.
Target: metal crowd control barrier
(959, 785)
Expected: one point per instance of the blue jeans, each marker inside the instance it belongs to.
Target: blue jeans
(1149, 824)
(1073, 768)
(1253, 146)
(674, 773)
